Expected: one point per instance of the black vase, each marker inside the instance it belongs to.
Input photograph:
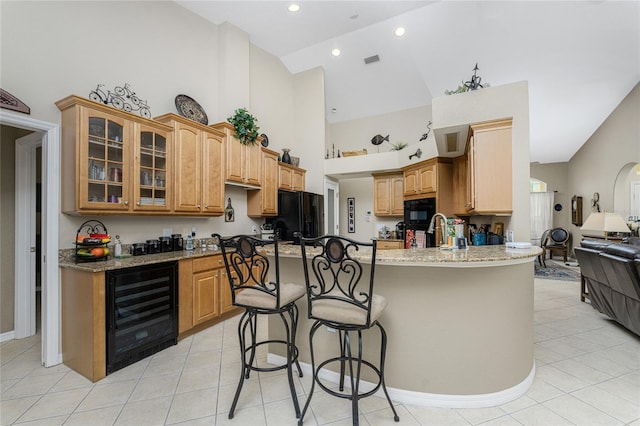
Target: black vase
(286, 158)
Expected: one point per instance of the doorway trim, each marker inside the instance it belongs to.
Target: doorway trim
(51, 354)
(25, 222)
(330, 184)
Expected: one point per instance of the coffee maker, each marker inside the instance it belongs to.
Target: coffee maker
(400, 228)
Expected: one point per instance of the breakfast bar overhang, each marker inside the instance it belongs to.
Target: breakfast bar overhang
(459, 324)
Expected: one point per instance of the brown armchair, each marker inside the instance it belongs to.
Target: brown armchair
(557, 240)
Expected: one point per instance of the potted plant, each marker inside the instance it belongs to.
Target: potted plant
(397, 146)
(245, 125)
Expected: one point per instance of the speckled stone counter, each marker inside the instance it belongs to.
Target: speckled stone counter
(474, 256)
(67, 260)
(459, 323)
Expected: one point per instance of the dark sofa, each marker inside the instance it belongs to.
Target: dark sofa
(611, 276)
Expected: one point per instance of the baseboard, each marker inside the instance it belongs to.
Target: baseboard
(429, 399)
(9, 335)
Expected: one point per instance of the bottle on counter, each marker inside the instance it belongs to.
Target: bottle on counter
(189, 245)
(118, 247)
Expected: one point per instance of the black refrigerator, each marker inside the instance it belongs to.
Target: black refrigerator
(298, 212)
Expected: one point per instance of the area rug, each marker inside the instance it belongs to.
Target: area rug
(554, 271)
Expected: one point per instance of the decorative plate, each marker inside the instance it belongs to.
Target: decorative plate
(189, 108)
(265, 140)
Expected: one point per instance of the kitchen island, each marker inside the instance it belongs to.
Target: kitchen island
(459, 323)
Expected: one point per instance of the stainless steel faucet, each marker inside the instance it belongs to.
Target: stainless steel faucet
(443, 227)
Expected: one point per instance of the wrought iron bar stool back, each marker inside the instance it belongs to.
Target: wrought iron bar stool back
(340, 295)
(247, 266)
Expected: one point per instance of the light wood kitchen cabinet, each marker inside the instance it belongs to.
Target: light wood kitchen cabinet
(292, 178)
(204, 294)
(489, 169)
(390, 244)
(244, 162)
(420, 178)
(113, 161)
(226, 300)
(431, 178)
(206, 286)
(83, 322)
(388, 190)
(460, 185)
(199, 161)
(264, 201)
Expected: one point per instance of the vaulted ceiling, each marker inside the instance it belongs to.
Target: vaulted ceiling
(581, 58)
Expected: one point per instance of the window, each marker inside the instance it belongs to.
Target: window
(536, 185)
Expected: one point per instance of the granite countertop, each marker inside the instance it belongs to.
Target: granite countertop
(67, 259)
(474, 256)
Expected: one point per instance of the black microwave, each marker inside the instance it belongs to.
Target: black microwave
(419, 212)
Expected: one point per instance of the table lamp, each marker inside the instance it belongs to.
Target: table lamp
(605, 222)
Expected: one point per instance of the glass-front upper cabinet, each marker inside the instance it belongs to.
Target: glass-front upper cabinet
(113, 162)
(152, 174)
(104, 146)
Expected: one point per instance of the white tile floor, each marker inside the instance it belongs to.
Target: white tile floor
(588, 373)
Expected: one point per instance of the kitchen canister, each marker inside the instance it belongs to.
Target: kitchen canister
(479, 239)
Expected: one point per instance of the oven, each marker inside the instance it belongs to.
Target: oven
(417, 215)
(142, 312)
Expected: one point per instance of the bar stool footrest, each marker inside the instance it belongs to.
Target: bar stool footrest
(348, 396)
(294, 357)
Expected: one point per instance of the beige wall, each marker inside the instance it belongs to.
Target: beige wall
(509, 100)
(8, 136)
(614, 145)
(406, 126)
(309, 126)
(217, 66)
(145, 44)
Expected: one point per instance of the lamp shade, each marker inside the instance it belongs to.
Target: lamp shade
(605, 222)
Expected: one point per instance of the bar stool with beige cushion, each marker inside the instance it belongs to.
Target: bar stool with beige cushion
(340, 296)
(247, 267)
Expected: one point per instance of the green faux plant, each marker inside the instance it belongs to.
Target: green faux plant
(245, 125)
(397, 146)
(461, 89)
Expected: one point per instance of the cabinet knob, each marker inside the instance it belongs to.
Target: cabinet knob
(198, 206)
(138, 203)
(126, 203)
(206, 206)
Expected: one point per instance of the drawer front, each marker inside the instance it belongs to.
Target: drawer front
(208, 262)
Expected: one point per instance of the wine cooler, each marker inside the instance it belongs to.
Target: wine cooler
(142, 312)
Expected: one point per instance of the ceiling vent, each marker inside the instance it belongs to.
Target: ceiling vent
(371, 59)
(451, 142)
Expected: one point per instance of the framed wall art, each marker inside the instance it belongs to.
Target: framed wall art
(351, 212)
(576, 210)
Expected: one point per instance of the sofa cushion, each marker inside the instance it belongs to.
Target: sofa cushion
(595, 244)
(623, 250)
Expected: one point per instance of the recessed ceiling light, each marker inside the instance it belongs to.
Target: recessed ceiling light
(335, 51)
(400, 31)
(293, 7)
